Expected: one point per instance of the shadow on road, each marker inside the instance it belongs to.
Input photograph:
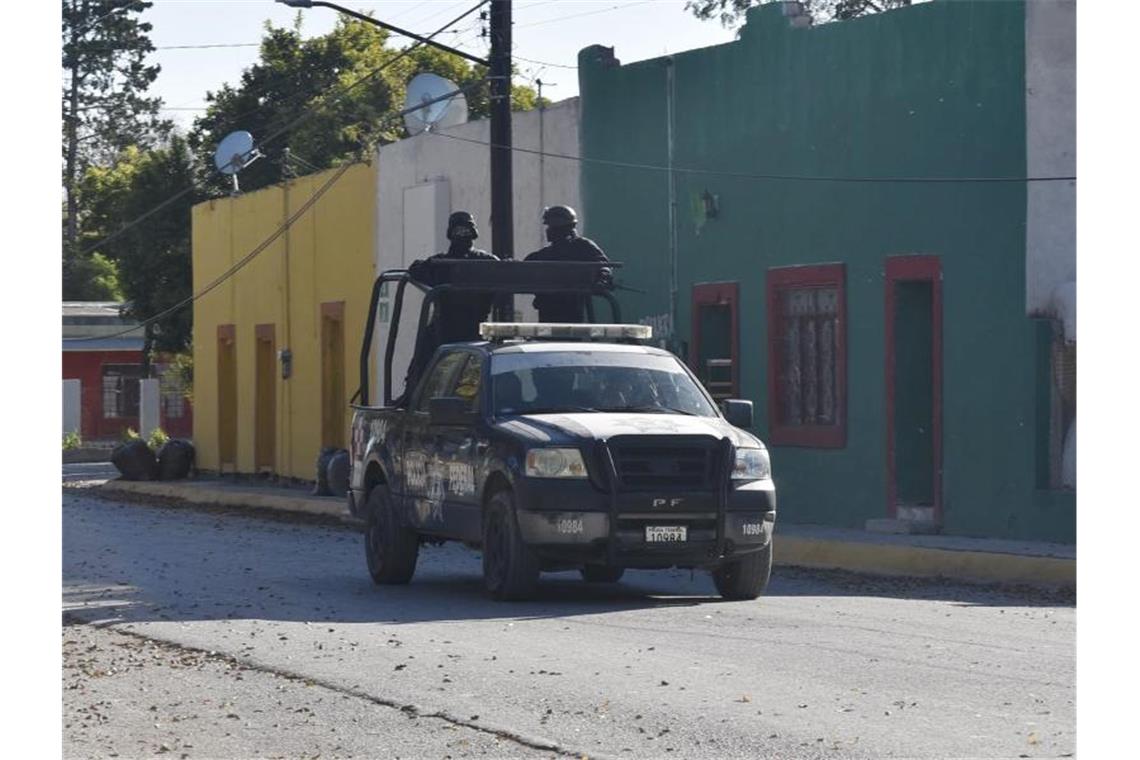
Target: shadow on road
(139, 563)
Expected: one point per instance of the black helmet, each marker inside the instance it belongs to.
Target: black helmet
(461, 219)
(559, 216)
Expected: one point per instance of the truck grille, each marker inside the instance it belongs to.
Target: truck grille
(649, 462)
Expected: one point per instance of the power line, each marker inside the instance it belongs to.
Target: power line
(584, 13)
(265, 243)
(307, 113)
(209, 46)
(747, 175)
(236, 267)
(545, 63)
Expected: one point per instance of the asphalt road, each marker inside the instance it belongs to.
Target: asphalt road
(278, 624)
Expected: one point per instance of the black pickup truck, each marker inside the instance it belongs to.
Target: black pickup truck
(560, 447)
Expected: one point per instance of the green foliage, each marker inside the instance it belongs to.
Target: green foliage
(104, 105)
(106, 77)
(157, 438)
(183, 366)
(130, 434)
(91, 278)
(731, 12)
(71, 441)
(153, 258)
(333, 82)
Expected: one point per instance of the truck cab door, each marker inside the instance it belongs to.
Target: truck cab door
(423, 479)
(459, 451)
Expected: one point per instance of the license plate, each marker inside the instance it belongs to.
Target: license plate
(665, 533)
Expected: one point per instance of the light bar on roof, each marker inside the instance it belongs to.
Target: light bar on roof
(556, 330)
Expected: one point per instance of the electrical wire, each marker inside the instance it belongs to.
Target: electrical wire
(544, 63)
(265, 243)
(306, 114)
(237, 267)
(584, 13)
(747, 175)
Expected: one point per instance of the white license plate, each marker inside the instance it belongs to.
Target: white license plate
(665, 533)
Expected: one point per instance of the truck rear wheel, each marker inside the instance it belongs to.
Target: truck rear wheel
(745, 578)
(390, 547)
(602, 574)
(510, 569)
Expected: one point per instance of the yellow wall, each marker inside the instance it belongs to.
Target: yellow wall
(325, 256)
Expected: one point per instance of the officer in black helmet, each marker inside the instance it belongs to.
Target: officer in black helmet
(456, 316)
(565, 245)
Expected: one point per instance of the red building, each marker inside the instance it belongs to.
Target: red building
(108, 367)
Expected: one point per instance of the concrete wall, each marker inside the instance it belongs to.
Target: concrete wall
(1051, 150)
(423, 178)
(933, 90)
(326, 256)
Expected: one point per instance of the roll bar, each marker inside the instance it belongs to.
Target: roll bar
(489, 277)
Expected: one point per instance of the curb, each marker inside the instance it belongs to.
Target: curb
(874, 558)
(325, 506)
(927, 562)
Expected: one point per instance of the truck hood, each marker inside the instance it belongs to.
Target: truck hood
(574, 427)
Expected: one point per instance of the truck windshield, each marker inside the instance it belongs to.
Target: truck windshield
(594, 381)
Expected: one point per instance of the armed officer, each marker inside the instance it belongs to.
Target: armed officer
(456, 315)
(566, 245)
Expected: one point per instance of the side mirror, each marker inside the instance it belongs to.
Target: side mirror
(738, 412)
(450, 410)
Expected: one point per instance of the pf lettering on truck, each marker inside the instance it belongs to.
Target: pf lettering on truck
(557, 447)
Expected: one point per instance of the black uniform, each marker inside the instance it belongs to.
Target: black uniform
(553, 307)
(456, 316)
(459, 314)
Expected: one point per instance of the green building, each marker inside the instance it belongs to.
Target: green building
(865, 228)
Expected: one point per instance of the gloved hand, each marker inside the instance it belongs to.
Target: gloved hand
(605, 278)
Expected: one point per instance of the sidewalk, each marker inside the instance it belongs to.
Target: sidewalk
(981, 560)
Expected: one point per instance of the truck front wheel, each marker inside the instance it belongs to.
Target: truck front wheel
(390, 547)
(745, 578)
(510, 569)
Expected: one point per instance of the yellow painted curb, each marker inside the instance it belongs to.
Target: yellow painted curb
(199, 494)
(922, 561)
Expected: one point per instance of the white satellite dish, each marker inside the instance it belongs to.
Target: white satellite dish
(234, 153)
(425, 88)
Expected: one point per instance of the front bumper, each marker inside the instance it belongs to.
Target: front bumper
(573, 521)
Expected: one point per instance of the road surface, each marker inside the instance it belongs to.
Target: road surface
(209, 634)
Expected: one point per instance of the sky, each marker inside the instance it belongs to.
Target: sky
(547, 31)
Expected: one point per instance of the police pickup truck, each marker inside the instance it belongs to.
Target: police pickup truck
(558, 447)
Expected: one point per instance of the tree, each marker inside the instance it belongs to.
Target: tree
(104, 103)
(324, 98)
(153, 258)
(731, 12)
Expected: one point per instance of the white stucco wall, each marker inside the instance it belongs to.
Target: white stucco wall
(422, 179)
(1050, 102)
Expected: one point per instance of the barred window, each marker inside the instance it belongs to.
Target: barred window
(806, 351)
(121, 390)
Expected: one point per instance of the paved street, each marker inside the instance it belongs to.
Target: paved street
(230, 636)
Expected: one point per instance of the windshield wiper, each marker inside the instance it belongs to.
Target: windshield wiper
(550, 409)
(651, 409)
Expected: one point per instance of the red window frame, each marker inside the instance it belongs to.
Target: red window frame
(717, 294)
(788, 278)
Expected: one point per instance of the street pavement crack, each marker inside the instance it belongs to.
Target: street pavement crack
(410, 710)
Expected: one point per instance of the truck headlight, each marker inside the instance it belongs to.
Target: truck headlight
(751, 464)
(555, 463)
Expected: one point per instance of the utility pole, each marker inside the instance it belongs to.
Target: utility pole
(502, 185)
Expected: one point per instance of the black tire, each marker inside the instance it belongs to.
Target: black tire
(510, 569)
(602, 574)
(745, 578)
(390, 548)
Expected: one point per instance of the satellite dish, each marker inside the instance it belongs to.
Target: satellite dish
(234, 153)
(425, 88)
